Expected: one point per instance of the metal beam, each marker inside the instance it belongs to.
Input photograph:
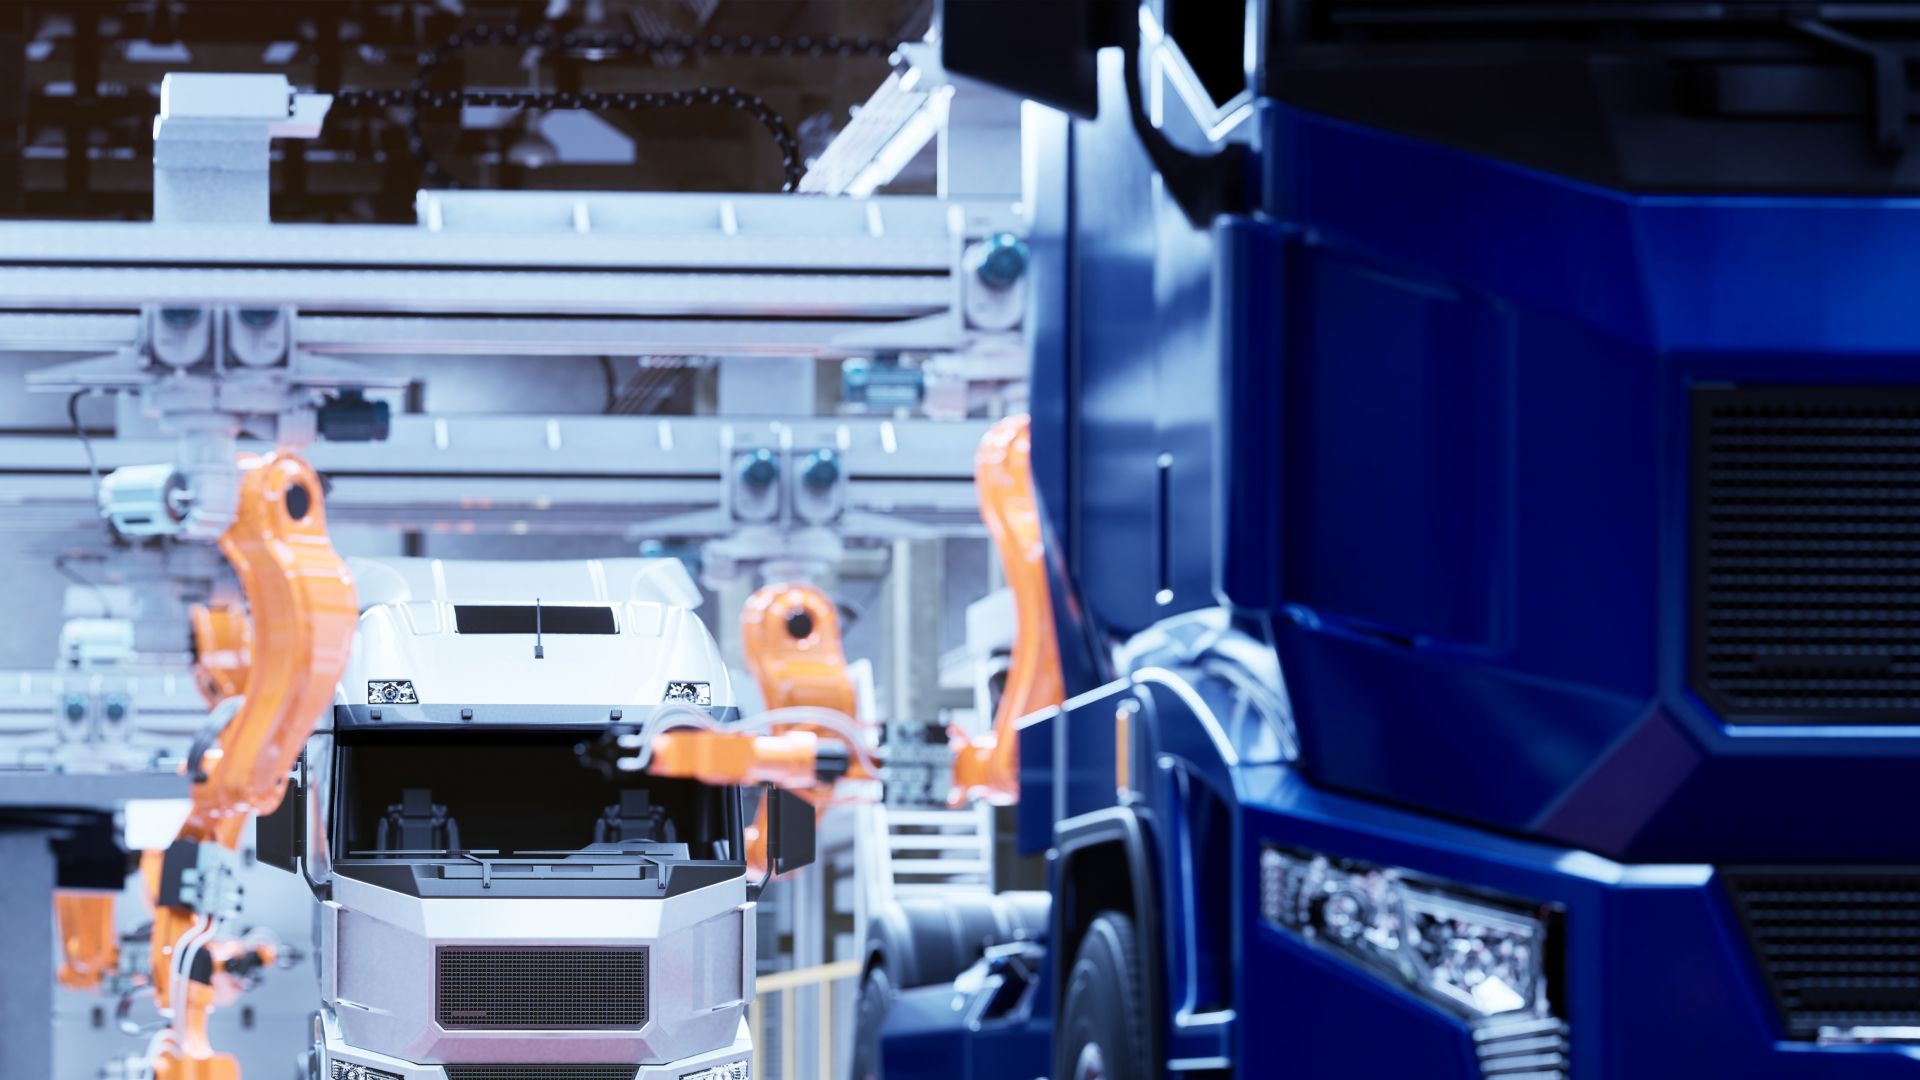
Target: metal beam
(603, 474)
(26, 285)
(516, 273)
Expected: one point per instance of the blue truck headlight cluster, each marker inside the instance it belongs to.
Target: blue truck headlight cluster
(1479, 956)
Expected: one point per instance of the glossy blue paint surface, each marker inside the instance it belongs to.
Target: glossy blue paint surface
(927, 1039)
(1483, 492)
(1125, 468)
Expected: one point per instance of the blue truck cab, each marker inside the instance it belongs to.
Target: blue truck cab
(1481, 449)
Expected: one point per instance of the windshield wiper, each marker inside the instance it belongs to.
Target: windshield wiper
(486, 870)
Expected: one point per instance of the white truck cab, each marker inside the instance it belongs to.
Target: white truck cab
(496, 900)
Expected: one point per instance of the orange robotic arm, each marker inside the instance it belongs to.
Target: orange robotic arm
(222, 650)
(988, 766)
(792, 639)
(89, 942)
(304, 612)
(791, 634)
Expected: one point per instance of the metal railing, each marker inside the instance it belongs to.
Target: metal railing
(783, 984)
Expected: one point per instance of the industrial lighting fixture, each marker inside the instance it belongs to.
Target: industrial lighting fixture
(391, 692)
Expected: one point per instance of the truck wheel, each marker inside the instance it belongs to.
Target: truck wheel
(876, 998)
(1103, 1026)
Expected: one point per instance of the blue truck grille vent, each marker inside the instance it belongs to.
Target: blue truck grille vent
(540, 987)
(1531, 1049)
(1806, 553)
(1840, 949)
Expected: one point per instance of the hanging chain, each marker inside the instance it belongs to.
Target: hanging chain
(420, 99)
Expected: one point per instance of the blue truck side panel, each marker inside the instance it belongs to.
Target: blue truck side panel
(1486, 473)
(924, 1042)
(1138, 503)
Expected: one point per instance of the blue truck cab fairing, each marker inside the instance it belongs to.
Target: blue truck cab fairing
(1586, 483)
(1551, 426)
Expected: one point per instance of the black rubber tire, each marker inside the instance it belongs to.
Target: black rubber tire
(876, 1000)
(1102, 1031)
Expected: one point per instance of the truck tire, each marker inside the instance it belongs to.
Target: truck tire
(1102, 1034)
(876, 1000)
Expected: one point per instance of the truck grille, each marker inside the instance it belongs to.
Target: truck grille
(1806, 553)
(1839, 948)
(540, 987)
(541, 1072)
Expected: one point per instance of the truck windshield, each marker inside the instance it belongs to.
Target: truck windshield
(426, 795)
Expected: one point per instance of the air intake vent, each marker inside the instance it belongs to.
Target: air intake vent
(542, 1071)
(534, 987)
(525, 619)
(1806, 554)
(1840, 949)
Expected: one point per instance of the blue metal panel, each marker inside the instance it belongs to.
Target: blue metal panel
(1084, 752)
(926, 1038)
(1189, 794)
(1484, 538)
(1144, 393)
(1046, 139)
(1250, 271)
(1318, 1018)
(1403, 390)
(1034, 813)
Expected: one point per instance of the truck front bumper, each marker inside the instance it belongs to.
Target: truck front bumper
(734, 1062)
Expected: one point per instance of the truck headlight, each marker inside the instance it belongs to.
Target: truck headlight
(391, 692)
(690, 693)
(1481, 956)
(732, 1070)
(346, 1071)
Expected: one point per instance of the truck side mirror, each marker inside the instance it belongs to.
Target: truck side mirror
(279, 837)
(790, 825)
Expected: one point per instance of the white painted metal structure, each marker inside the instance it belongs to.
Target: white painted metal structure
(525, 274)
